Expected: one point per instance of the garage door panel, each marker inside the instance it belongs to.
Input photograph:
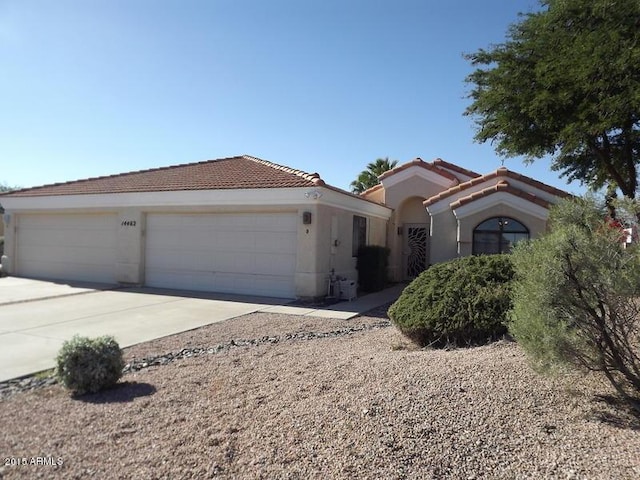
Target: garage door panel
(253, 284)
(72, 237)
(234, 263)
(274, 264)
(60, 271)
(277, 223)
(198, 281)
(67, 246)
(67, 255)
(273, 242)
(235, 241)
(179, 260)
(231, 253)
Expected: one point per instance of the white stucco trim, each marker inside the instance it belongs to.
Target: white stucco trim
(417, 171)
(263, 197)
(244, 197)
(439, 207)
(459, 175)
(538, 192)
(501, 198)
(199, 200)
(444, 204)
(346, 202)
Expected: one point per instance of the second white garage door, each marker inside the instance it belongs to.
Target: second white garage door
(251, 254)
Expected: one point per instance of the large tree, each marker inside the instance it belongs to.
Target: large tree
(369, 178)
(566, 83)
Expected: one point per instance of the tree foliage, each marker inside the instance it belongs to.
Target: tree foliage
(576, 296)
(369, 178)
(566, 83)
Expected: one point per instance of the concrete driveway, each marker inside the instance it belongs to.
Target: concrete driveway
(36, 316)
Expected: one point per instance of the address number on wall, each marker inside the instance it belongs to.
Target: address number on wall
(128, 223)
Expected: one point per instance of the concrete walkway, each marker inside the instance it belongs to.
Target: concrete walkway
(36, 317)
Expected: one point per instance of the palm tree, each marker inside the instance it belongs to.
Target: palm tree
(369, 177)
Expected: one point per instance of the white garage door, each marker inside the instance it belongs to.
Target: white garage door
(67, 247)
(231, 253)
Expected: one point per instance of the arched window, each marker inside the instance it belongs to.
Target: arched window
(498, 235)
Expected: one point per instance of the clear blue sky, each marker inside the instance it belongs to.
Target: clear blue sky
(98, 87)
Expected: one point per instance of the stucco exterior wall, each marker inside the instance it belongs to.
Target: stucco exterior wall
(130, 246)
(335, 243)
(9, 243)
(406, 199)
(322, 245)
(396, 194)
(443, 240)
(376, 195)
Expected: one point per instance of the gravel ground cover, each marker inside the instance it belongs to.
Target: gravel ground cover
(299, 397)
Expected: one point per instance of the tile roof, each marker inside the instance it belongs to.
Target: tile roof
(438, 162)
(372, 189)
(500, 173)
(418, 162)
(226, 173)
(501, 186)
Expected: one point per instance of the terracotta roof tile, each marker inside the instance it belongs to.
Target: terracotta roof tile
(418, 162)
(227, 173)
(438, 162)
(372, 189)
(501, 186)
(501, 172)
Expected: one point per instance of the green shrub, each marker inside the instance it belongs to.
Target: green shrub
(461, 302)
(575, 297)
(372, 267)
(86, 365)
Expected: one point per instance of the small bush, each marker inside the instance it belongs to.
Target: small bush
(576, 297)
(460, 302)
(86, 365)
(372, 267)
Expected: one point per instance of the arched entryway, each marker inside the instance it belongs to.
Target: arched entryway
(414, 230)
(498, 235)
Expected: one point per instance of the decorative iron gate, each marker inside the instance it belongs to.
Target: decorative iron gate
(416, 237)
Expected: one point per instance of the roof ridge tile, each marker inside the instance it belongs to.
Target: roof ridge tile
(500, 186)
(498, 173)
(418, 162)
(452, 166)
(313, 177)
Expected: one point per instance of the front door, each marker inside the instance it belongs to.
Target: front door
(416, 249)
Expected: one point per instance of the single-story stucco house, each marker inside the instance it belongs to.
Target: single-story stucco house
(246, 225)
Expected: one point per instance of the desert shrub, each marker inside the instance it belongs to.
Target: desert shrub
(576, 297)
(462, 302)
(372, 267)
(86, 365)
